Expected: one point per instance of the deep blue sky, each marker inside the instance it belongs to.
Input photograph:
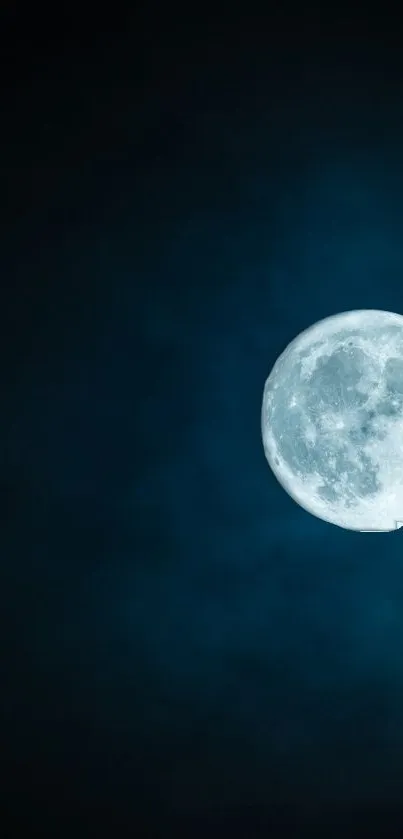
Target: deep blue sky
(184, 648)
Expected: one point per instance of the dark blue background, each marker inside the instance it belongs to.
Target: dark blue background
(184, 648)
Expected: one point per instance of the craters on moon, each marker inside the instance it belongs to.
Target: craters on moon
(310, 433)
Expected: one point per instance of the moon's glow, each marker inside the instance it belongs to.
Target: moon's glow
(332, 419)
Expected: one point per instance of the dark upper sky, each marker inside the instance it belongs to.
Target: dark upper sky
(185, 651)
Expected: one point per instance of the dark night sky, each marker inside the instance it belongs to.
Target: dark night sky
(185, 651)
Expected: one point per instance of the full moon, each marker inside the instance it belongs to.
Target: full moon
(332, 420)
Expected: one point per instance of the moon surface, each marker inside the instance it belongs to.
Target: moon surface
(332, 420)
